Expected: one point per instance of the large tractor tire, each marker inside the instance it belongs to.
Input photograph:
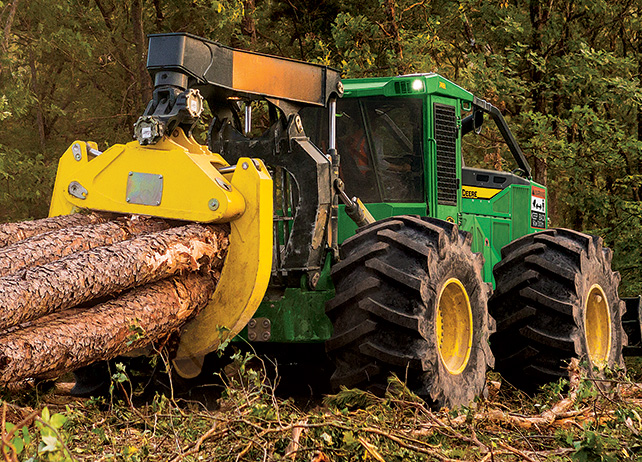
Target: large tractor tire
(410, 300)
(555, 299)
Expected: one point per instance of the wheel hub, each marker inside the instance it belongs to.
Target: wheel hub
(454, 326)
(597, 326)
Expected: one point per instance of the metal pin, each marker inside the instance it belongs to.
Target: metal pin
(77, 151)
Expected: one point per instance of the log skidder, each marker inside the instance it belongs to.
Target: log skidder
(410, 299)
(556, 298)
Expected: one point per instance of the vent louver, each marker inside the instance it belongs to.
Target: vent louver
(446, 138)
(402, 87)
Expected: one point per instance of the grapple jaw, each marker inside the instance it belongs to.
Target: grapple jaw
(177, 178)
(165, 173)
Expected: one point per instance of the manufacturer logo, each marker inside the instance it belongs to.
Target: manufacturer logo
(475, 192)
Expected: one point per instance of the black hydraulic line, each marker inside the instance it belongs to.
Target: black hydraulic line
(513, 146)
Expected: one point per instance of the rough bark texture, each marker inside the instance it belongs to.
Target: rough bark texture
(65, 341)
(51, 246)
(11, 233)
(84, 276)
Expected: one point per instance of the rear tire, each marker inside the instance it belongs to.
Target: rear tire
(555, 299)
(410, 300)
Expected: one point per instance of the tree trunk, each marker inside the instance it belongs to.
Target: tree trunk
(10, 233)
(248, 25)
(54, 245)
(64, 341)
(393, 26)
(140, 45)
(539, 15)
(96, 273)
(8, 24)
(7, 31)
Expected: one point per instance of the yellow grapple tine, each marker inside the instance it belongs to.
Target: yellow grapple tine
(245, 275)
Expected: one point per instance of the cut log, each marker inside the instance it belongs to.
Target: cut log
(53, 245)
(10, 233)
(64, 341)
(85, 276)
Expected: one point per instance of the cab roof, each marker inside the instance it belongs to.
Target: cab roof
(405, 85)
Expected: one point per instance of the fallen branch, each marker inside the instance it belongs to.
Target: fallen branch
(196, 447)
(545, 419)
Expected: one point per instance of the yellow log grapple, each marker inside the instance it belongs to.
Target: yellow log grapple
(166, 173)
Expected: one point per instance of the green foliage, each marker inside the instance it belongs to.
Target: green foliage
(51, 447)
(566, 75)
(251, 422)
(594, 447)
(44, 442)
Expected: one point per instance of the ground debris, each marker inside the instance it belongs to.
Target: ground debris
(567, 421)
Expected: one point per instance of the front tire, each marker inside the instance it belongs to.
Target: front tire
(555, 299)
(410, 300)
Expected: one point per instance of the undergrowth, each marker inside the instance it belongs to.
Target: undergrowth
(566, 421)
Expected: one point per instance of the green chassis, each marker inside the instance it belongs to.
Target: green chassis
(297, 315)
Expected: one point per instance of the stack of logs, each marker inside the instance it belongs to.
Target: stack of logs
(87, 287)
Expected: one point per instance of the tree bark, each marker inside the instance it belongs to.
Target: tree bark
(85, 276)
(8, 24)
(393, 26)
(54, 245)
(10, 233)
(539, 15)
(40, 113)
(141, 52)
(248, 25)
(64, 341)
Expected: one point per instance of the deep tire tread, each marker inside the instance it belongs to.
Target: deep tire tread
(389, 277)
(539, 305)
(350, 336)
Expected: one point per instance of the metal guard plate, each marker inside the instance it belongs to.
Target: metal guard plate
(144, 188)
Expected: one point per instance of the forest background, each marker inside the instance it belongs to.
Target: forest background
(566, 74)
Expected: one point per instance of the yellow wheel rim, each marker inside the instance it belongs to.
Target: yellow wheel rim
(454, 326)
(597, 326)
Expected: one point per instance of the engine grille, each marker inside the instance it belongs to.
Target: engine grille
(446, 138)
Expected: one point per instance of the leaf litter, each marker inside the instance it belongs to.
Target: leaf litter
(579, 419)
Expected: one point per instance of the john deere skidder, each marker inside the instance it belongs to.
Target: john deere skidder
(401, 285)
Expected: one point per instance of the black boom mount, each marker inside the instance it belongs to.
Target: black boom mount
(187, 70)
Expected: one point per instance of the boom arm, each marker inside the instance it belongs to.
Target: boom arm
(185, 67)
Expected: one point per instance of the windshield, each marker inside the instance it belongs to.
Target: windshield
(380, 144)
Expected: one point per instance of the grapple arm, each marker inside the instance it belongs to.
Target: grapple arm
(166, 173)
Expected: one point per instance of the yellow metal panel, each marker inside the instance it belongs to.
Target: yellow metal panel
(190, 182)
(245, 275)
(187, 175)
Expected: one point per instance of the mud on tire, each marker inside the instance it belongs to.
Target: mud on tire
(386, 318)
(556, 298)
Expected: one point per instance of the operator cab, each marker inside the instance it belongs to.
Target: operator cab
(380, 141)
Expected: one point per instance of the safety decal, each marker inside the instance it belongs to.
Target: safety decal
(538, 207)
(474, 192)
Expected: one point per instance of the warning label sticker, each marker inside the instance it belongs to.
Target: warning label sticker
(538, 207)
